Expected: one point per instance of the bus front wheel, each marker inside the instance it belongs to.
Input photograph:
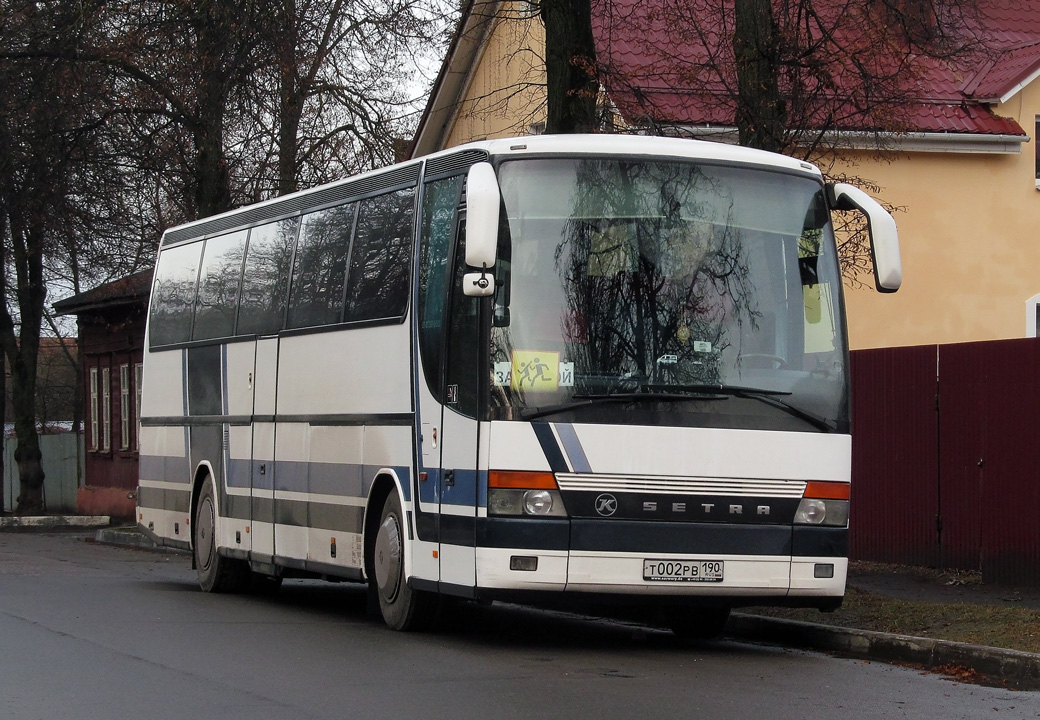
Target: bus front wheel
(402, 607)
(215, 572)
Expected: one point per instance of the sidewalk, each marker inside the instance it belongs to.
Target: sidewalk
(53, 522)
(888, 597)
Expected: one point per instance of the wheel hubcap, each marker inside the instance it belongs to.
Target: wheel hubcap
(388, 558)
(204, 526)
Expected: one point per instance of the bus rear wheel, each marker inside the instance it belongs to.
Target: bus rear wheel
(402, 607)
(215, 572)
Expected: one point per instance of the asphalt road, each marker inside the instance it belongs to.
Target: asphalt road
(91, 632)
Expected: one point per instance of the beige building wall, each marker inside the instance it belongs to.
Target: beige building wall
(970, 241)
(505, 93)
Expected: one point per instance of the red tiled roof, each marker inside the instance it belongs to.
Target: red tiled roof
(666, 70)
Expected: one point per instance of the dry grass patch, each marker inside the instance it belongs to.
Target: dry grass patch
(1016, 628)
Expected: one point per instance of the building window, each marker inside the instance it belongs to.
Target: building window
(93, 408)
(138, 375)
(1036, 149)
(124, 407)
(106, 409)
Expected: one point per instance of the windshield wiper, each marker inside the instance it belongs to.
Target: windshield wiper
(582, 401)
(687, 393)
(764, 395)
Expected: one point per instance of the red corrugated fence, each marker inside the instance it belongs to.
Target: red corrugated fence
(946, 460)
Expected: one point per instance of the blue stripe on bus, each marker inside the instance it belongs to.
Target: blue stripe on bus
(165, 468)
(572, 446)
(339, 479)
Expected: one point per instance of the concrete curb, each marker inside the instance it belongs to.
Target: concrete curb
(125, 537)
(54, 522)
(1013, 668)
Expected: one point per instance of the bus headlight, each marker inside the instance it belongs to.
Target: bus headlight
(519, 493)
(824, 503)
(538, 502)
(829, 513)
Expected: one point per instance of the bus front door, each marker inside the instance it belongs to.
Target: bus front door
(459, 474)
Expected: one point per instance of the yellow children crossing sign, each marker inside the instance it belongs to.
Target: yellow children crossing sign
(535, 370)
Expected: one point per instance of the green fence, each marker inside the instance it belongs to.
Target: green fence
(63, 465)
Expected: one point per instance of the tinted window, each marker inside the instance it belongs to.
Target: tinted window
(204, 394)
(265, 282)
(174, 294)
(218, 286)
(379, 263)
(321, 261)
(438, 226)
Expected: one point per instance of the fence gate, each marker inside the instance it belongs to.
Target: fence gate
(946, 464)
(895, 474)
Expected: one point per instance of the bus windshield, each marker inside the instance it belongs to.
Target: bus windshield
(637, 291)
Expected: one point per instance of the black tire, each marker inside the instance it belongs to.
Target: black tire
(696, 624)
(215, 572)
(402, 607)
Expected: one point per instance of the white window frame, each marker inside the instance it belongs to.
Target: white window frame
(124, 406)
(106, 409)
(138, 377)
(93, 408)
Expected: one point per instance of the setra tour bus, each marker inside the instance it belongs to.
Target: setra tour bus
(603, 368)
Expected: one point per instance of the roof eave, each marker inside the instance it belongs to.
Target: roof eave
(81, 309)
(453, 78)
(944, 142)
(1014, 90)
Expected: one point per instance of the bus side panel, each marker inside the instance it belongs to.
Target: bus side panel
(237, 368)
(164, 491)
(362, 371)
(343, 411)
(262, 470)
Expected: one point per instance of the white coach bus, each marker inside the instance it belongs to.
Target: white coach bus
(604, 368)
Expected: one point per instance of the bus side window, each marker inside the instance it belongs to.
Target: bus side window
(173, 296)
(265, 279)
(380, 261)
(440, 200)
(462, 371)
(316, 297)
(219, 279)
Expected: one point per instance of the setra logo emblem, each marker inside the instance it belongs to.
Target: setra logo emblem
(606, 505)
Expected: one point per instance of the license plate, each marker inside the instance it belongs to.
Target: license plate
(683, 570)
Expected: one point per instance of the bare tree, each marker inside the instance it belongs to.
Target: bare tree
(332, 91)
(49, 123)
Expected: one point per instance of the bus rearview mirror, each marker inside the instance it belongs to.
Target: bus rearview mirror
(881, 227)
(482, 205)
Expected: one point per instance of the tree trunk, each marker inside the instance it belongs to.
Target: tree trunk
(572, 88)
(30, 474)
(761, 114)
(212, 174)
(290, 97)
(23, 361)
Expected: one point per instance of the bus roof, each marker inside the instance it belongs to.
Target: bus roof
(408, 173)
(644, 145)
